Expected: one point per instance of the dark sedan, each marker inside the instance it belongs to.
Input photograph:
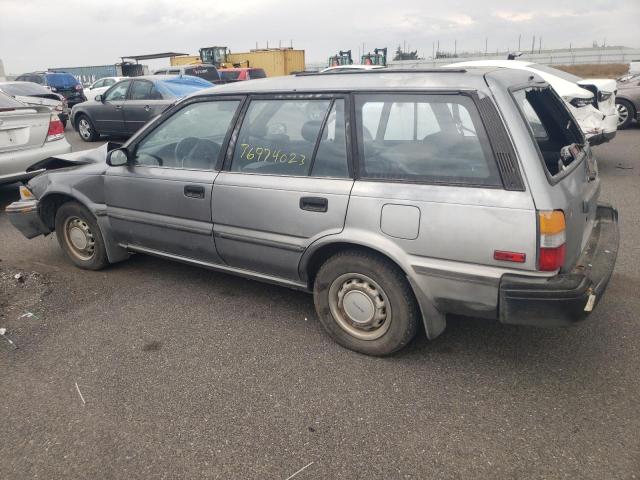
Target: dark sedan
(131, 103)
(628, 100)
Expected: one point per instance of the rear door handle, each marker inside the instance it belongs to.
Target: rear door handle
(314, 204)
(194, 191)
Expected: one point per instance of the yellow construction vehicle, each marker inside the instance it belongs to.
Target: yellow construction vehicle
(274, 61)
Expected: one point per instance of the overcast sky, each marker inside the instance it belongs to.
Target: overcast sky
(36, 34)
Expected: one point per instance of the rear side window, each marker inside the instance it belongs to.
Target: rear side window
(423, 138)
(144, 90)
(557, 135)
(279, 136)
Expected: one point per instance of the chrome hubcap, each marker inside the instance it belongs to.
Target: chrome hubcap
(623, 113)
(360, 306)
(84, 128)
(79, 238)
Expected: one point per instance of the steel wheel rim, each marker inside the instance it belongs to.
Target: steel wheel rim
(623, 113)
(79, 238)
(84, 128)
(360, 306)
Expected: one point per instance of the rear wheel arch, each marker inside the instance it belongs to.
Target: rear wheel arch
(433, 319)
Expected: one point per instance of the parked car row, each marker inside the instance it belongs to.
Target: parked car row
(63, 83)
(395, 198)
(130, 103)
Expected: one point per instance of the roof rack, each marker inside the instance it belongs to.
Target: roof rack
(356, 71)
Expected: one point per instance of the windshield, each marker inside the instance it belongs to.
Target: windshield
(8, 103)
(182, 86)
(24, 88)
(554, 71)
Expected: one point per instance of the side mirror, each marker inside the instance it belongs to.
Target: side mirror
(118, 157)
(98, 98)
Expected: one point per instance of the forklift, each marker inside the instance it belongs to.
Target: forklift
(378, 57)
(342, 58)
(216, 56)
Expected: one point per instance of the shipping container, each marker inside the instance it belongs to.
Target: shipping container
(89, 74)
(274, 61)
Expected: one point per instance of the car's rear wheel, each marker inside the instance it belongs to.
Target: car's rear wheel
(80, 237)
(365, 303)
(625, 111)
(86, 129)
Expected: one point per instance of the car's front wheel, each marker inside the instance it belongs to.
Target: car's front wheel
(365, 303)
(86, 129)
(625, 112)
(80, 237)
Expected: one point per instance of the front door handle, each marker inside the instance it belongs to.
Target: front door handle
(194, 191)
(118, 107)
(314, 204)
(147, 108)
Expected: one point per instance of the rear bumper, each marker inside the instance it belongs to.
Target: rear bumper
(568, 297)
(14, 164)
(24, 215)
(601, 138)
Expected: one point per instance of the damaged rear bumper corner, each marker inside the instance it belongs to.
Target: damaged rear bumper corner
(24, 215)
(568, 297)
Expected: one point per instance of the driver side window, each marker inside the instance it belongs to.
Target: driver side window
(191, 138)
(118, 92)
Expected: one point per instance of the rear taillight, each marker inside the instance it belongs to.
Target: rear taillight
(56, 129)
(552, 228)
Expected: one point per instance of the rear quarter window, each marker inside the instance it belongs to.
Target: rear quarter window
(423, 138)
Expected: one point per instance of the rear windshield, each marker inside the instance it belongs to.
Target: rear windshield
(208, 73)
(229, 74)
(8, 103)
(24, 88)
(61, 80)
(556, 133)
(256, 73)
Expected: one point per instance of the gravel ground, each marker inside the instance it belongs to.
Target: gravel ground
(153, 369)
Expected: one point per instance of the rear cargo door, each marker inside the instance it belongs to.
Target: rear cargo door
(571, 169)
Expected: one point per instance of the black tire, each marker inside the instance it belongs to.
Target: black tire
(90, 134)
(72, 222)
(630, 112)
(352, 272)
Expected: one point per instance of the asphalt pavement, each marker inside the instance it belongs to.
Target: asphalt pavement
(153, 369)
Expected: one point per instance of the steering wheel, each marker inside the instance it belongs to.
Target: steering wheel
(155, 157)
(200, 148)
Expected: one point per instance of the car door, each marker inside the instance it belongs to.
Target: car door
(108, 116)
(143, 103)
(286, 183)
(161, 201)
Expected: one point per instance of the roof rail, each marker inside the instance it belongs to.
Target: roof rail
(355, 71)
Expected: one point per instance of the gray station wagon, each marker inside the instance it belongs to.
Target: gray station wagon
(396, 197)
